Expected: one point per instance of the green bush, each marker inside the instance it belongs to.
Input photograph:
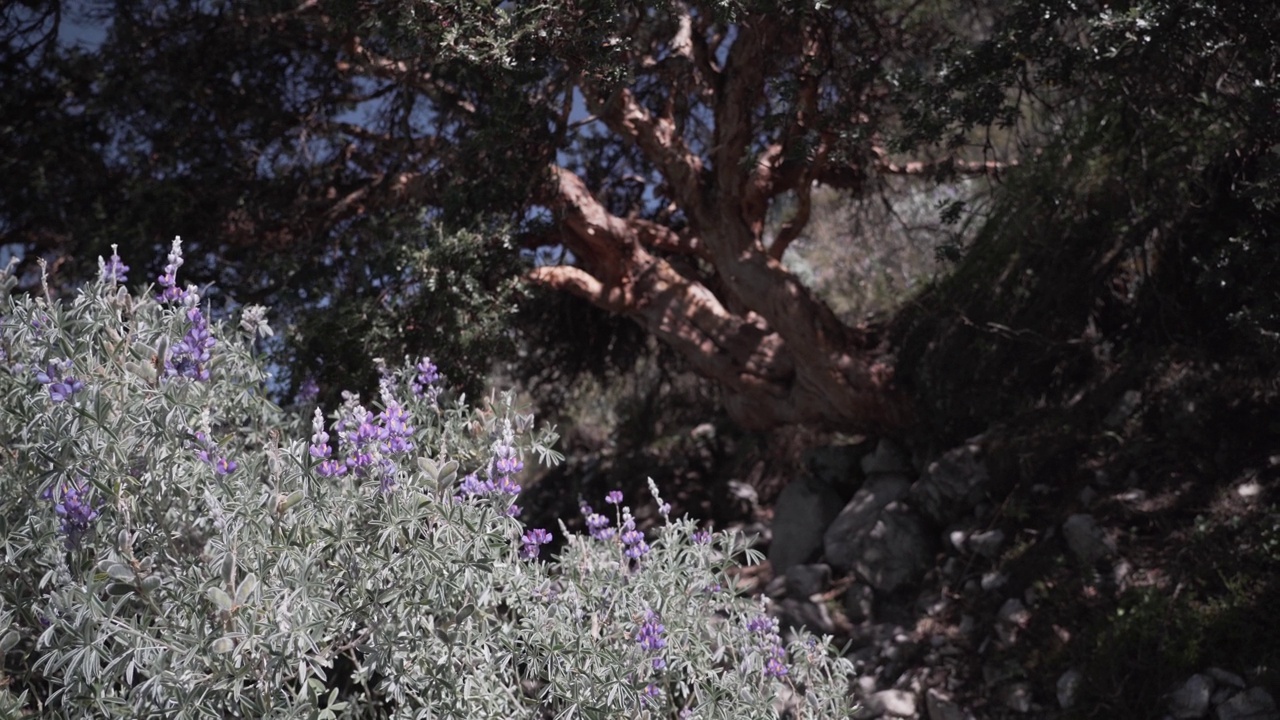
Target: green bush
(175, 546)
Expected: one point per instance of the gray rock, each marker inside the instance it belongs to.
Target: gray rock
(1192, 699)
(993, 580)
(951, 486)
(938, 706)
(1126, 406)
(1252, 704)
(804, 581)
(859, 601)
(859, 515)
(1069, 688)
(1017, 697)
(887, 459)
(987, 544)
(893, 703)
(836, 465)
(1222, 677)
(881, 540)
(1085, 539)
(1012, 617)
(813, 617)
(804, 510)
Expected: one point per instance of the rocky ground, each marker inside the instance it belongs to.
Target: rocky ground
(975, 583)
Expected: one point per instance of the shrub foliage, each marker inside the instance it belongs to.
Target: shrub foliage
(176, 545)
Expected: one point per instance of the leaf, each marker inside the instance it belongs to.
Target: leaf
(121, 572)
(151, 583)
(223, 645)
(8, 641)
(294, 498)
(220, 598)
(465, 612)
(247, 586)
(427, 466)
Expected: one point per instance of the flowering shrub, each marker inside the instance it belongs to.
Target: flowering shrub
(177, 546)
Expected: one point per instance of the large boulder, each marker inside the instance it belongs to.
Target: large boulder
(804, 510)
(880, 538)
(951, 486)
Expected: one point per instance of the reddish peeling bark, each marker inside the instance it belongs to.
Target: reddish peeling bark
(780, 352)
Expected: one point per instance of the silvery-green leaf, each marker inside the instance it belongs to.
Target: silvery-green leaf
(246, 587)
(8, 641)
(464, 613)
(151, 583)
(119, 589)
(294, 498)
(223, 645)
(428, 466)
(121, 572)
(146, 372)
(220, 598)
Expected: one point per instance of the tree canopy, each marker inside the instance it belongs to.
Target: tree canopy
(388, 175)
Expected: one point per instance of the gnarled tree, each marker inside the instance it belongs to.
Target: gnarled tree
(650, 140)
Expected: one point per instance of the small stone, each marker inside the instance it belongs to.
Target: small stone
(993, 580)
(939, 706)
(1069, 688)
(1086, 539)
(1252, 704)
(1249, 490)
(987, 544)
(1088, 495)
(1017, 697)
(1192, 699)
(893, 703)
(1012, 617)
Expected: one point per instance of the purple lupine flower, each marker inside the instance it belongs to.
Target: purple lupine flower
(652, 692)
(321, 450)
(112, 269)
(765, 628)
(319, 438)
(533, 542)
(649, 636)
(190, 358)
(700, 537)
(208, 454)
(776, 667)
(632, 539)
(76, 510)
(425, 381)
(597, 524)
(473, 486)
(61, 385)
(169, 278)
(308, 391)
(395, 423)
(614, 497)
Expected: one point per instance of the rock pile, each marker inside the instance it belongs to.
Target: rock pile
(893, 558)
